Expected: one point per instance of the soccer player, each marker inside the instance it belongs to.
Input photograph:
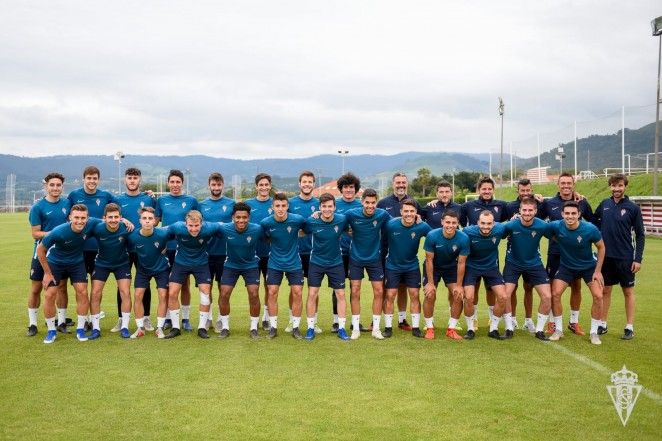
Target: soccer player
(618, 220)
(391, 204)
(261, 207)
(348, 185)
(65, 244)
(304, 204)
(367, 224)
(326, 259)
(131, 202)
(192, 238)
(483, 262)
(552, 210)
(46, 214)
(282, 228)
(575, 238)
(242, 238)
(469, 215)
(112, 258)
(523, 260)
(171, 208)
(446, 251)
(149, 245)
(216, 208)
(402, 267)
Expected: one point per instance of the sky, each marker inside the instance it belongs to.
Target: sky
(256, 79)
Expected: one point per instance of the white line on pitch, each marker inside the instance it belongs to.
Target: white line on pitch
(603, 369)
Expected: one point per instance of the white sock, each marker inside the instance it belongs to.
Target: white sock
(273, 321)
(603, 323)
(542, 319)
(50, 323)
(140, 322)
(95, 322)
(160, 321)
(265, 314)
(61, 315)
(558, 323)
(167, 316)
(174, 317)
(186, 312)
(254, 322)
(126, 318)
(311, 322)
(225, 321)
(508, 318)
(416, 320)
(630, 326)
(470, 322)
(32, 316)
(291, 316)
(376, 318)
(335, 318)
(529, 321)
(475, 316)
(210, 314)
(388, 320)
(356, 322)
(204, 316)
(81, 321)
(490, 312)
(296, 322)
(341, 322)
(402, 315)
(428, 323)
(452, 323)
(574, 316)
(594, 325)
(550, 316)
(494, 323)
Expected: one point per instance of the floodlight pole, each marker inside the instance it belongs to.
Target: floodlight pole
(658, 32)
(501, 112)
(343, 152)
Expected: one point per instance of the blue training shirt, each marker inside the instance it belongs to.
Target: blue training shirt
(326, 240)
(150, 250)
(366, 234)
(112, 246)
(484, 250)
(217, 210)
(192, 251)
(552, 210)
(576, 245)
(342, 206)
(95, 203)
(403, 243)
(48, 215)
(284, 236)
(524, 242)
(130, 206)
(171, 209)
(471, 210)
(242, 246)
(617, 222)
(304, 208)
(433, 215)
(65, 247)
(259, 211)
(446, 250)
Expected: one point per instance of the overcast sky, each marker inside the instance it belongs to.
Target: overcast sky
(255, 79)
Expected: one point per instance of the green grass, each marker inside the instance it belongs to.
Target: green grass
(402, 388)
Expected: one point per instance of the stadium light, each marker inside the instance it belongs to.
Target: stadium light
(656, 25)
(118, 157)
(343, 152)
(501, 111)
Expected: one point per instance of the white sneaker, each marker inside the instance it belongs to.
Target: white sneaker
(159, 333)
(376, 333)
(595, 339)
(218, 326)
(556, 336)
(117, 326)
(515, 324)
(139, 333)
(102, 315)
(147, 324)
(318, 330)
(290, 326)
(356, 333)
(530, 326)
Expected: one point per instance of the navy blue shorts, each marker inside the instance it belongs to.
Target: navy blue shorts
(75, 273)
(263, 266)
(200, 273)
(142, 279)
(120, 272)
(394, 278)
(216, 264)
(171, 257)
(553, 262)
(374, 269)
(36, 271)
(305, 263)
(617, 271)
(90, 257)
(492, 277)
(231, 275)
(345, 264)
(532, 276)
(335, 275)
(448, 274)
(569, 275)
(275, 277)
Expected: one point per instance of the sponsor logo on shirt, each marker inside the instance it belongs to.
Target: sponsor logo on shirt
(126, 205)
(555, 208)
(49, 212)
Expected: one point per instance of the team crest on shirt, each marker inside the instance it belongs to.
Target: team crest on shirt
(579, 239)
(289, 229)
(64, 210)
(270, 210)
(200, 241)
(183, 204)
(142, 204)
(454, 247)
(335, 228)
(225, 208)
(312, 209)
(156, 244)
(413, 235)
(374, 223)
(120, 239)
(623, 211)
(494, 240)
(496, 209)
(98, 201)
(248, 239)
(533, 234)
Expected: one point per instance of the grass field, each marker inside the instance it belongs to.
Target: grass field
(402, 388)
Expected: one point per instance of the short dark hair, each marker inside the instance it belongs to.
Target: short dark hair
(349, 179)
(147, 210)
(486, 213)
(306, 173)
(571, 204)
(177, 173)
(91, 170)
(79, 207)
(241, 206)
(484, 180)
(524, 182)
(618, 177)
(54, 175)
(326, 197)
(111, 207)
(450, 213)
(216, 177)
(407, 201)
(132, 171)
(529, 201)
(445, 184)
(280, 196)
(398, 175)
(369, 193)
(261, 176)
(567, 175)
